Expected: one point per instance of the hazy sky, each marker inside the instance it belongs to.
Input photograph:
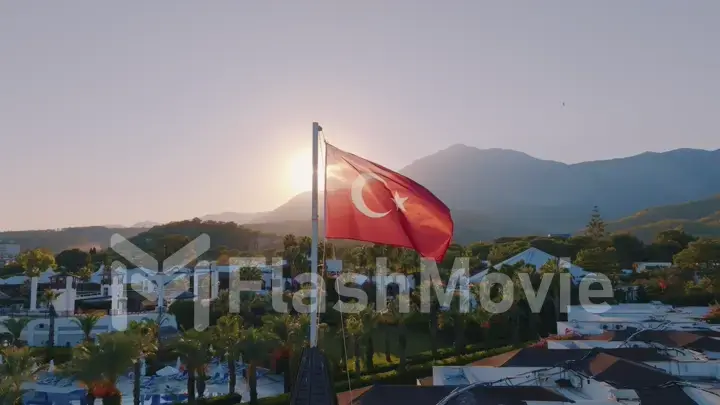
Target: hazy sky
(118, 112)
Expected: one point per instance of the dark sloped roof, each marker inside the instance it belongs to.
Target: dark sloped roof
(706, 332)
(622, 373)
(431, 395)
(541, 357)
(673, 338)
(695, 340)
(665, 396)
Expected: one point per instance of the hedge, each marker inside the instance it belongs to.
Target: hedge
(423, 357)
(416, 371)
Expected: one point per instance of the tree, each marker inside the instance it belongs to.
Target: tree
(703, 254)
(36, 261)
(675, 235)
(503, 251)
(15, 326)
(596, 227)
(72, 260)
(256, 346)
(193, 347)
(85, 273)
(354, 329)
(250, 274)
(370, 321)
(293, 334)
(49, 297)
(628, 249)
(226, 338)
(399, 312)
(597, 260)
(110, 358)
(663, 251)
(432, 308)
(17, 368)
(87, 323)
(144, 336)
(83, 368)
(553, 268)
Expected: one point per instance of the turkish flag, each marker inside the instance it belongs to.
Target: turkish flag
(368, 202)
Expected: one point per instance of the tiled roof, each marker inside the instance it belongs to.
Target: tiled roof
(622, 373)
(665, 396)
(682, 339)
(420, 395)
(348, 397)
(541, 357)
(701, 340)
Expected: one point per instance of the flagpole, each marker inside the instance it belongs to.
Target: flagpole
(315, 238)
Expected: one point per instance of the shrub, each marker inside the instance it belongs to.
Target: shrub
(58, 355)
(283, 399)
(422, 370)
(230, 399)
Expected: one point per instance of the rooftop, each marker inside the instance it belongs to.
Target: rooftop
(419, 395)
(695, 340)
(622, 373)
(540, 357)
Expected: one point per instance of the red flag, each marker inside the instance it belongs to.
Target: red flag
(367, 202)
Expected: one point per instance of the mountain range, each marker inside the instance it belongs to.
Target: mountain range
(498, 192)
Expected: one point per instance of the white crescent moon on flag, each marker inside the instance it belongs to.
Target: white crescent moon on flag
(357, 195)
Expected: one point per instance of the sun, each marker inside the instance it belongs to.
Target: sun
(299, 172)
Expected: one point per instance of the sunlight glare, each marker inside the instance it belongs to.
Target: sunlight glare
(300, 172)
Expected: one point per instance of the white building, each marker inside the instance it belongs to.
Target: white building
(537, 258)
(648, 266)
(595, 319)
(647, 354)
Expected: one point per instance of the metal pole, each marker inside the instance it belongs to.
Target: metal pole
(315, 237)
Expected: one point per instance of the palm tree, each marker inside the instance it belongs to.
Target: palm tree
(85, 273)
(145, 339)
(153, 326)
(431, 306)
(354, 329)
(370, 321)
(458, 316)
(83, 368)
(18, 367)
(49, 297)
(193, 347)
(15, 326)
(256, 346)
(293, 334)
(87, 323)
(226, 338)
(399, 312)
(552, 267)
(518, 294)
(289, 241)
(113, 355)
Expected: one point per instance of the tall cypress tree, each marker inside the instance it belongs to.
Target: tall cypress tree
(596, 227)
